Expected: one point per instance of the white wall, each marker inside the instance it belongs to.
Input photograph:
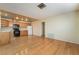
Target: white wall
(62, 27)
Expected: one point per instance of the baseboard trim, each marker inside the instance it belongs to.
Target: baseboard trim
(57, 39)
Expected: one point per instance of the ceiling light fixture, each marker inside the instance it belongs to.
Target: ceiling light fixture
(17, 17)
(26, 19)
(6, 14)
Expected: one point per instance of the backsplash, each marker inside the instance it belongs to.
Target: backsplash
(23, 28)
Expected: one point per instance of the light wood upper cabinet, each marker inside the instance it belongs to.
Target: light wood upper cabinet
(23, 25)
(4, 23)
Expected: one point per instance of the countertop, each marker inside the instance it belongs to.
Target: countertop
(6, 29)
(10, 29)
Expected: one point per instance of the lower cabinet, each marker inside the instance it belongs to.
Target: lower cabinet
(4, 38)
(23, 33)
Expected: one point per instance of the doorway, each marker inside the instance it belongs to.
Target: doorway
(43, 29)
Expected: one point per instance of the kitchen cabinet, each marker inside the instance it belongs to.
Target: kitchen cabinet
(4, 23)
(23, 33)
(23, 25)
(4, 38)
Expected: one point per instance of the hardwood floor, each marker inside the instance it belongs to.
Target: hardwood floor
(33, 45)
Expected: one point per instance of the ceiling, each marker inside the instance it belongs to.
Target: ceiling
(31, 9)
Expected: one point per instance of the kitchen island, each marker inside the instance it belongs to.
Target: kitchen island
(4, 36)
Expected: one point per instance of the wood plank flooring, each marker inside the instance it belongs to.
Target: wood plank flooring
(33, 45)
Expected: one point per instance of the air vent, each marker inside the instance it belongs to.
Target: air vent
(41, 6)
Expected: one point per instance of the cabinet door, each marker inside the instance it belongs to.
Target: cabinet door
(4, 23)
(24, 33)
(22, 25)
